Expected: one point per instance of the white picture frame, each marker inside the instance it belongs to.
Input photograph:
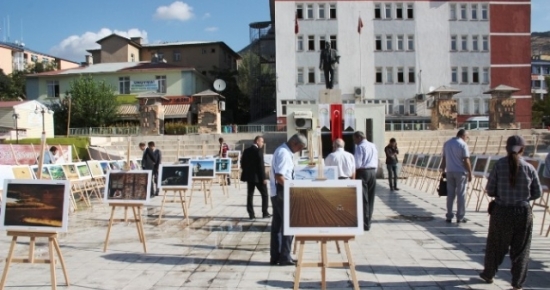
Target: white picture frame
(45, 172)
(21, 172)
(174, 176)
(83, 170)
(202, 168)
(95, 169)
(129, 187)
(480, 168)
(235, 157)
(331, 207)
(56, 172)
(49, 198)
(312, 172)
(223, 165)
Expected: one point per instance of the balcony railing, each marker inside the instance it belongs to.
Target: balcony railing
(128, 131)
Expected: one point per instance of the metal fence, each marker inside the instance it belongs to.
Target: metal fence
(104, 131)
(125, 131)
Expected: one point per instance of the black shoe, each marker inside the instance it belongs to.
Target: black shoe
(462, 221)
(486, 279)
(287, 263)
(391, 189)
(449, 221)
(251, 217)
(273, 262)
(395, 188)
(267, 215)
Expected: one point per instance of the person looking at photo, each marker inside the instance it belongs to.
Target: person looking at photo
(50, 156)
(151, 161)
(223, 154)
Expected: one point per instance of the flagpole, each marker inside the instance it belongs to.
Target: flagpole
(359, 27)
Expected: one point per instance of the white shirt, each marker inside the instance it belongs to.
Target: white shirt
(283, 164)
(366, 155)
(343, 160)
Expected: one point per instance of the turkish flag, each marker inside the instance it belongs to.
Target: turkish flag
(359, 25)
(336, 121)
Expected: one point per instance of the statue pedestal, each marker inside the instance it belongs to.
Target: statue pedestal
(333, 96)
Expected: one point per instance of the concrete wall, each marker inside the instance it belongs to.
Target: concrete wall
(6, 61)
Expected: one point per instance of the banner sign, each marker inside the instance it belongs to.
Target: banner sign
(143, 86)
(28, 154)
(349, 116)
(324, 116)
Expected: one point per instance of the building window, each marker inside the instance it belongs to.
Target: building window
(283, 108)
(212, 50)
(463, 12)
(454, 75)
(332, 11)
(300, 74)
(378, 75)
(161, 80)
(464, 75)
(389, 41)
(401, 107)
(377, 11)
(333, 41)
(310, 11)
(300, 43)
(453, 42)
(132, 58)
(485, 78)
(410, 11)
(474, 11)
(388, 10)
(53, 89)
(410, 42)
(400, 42)
(378, 43)
(389, 75)
(464, 42)
(299, 11)
(485, 106)
(124, 85)
(412, 107)
(475, 43)
(321, 76)
(399, 11)
(411, 75)
(400, 75)
(311, 76)
(177, 56)
(322, 40)
(475, 75)
(389, 107)
(477, 107)
(203, 51)
(311, 42)
(485, 40)
(321, 11)
(484, 12)
(465, 106)
(452, 10)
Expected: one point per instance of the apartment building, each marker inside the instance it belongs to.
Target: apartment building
(540, 70)
(201, 55)
(15, 56)
(395, 52)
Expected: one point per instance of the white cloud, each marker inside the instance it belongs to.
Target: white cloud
(211, 29)
(178, 10)
(206, 15)
(74, 47)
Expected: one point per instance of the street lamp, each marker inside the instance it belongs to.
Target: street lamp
(15, 117)
(42, 111)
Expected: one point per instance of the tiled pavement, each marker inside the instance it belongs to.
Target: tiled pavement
(409, 247)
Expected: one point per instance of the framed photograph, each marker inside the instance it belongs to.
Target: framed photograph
(202, 169)
(184, 160)
(435, 162)
(268, 158)
(95, 169)
(56, 172)
(35, 205)
(45, 172)
(492, 161)
(114, 165)
(312, 172)
(134, 165)
(128, 186)
(70, 171)
(481, 165)
(235, 157)
(83, 170)
(22, 172)
(105, 166)
(174, 176)
(223, 166)
(330, 207)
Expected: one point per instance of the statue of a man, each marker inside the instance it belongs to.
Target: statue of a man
(329, 59)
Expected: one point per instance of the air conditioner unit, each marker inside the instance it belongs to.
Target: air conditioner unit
(358, 92)
(420, 97)
(303, 119)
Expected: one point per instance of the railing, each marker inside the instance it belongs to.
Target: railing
(228, 129)
(102, 131)
(125, 131)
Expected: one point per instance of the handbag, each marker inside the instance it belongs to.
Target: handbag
(442, 189)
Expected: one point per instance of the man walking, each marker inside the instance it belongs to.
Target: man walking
(366, 163)
(456, 165)
(223, 154)
(253, 173)
(391, 163)
(151, 161)
(343, 160)
(282, 169)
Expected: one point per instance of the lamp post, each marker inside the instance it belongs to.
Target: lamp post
(15, 117)
(42, 111)
(69, 116)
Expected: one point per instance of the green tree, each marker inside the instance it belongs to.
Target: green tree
(257, 81)
(93, 103)
(541, 108)
(6, 86)
(236, 102)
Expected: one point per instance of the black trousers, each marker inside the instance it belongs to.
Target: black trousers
(392, 175)
(279, 251)
(368, 182)
(329, 75)
(262, 188)
(510, 228)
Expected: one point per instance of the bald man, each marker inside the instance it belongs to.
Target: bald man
(344, 161)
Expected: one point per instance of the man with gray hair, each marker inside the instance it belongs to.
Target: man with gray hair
(366, 163)
(344, 161)
(282, 169)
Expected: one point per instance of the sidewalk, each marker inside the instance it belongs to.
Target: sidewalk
(410, 246)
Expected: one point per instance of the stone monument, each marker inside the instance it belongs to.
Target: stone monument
(502, 108)
(444, 111)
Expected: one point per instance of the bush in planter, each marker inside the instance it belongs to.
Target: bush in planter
(175, 128)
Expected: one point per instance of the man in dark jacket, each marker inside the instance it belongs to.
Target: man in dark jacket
(253, 173)
(391, 163)
(151, 161)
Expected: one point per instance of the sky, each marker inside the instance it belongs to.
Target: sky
(66, 28)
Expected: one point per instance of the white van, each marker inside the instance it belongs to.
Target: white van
(476, 123)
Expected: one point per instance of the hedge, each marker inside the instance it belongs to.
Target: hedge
(80, 144)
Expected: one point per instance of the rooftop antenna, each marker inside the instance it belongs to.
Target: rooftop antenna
(8, 28)
(21, 36)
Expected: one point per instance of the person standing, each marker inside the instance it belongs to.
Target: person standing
(391, 163)
(513, 183)
(222, 153)
(343, 160)
(456, 165)
(366, 163)
(151, 161)
(282, 169)
(253, 173)
(50, 156)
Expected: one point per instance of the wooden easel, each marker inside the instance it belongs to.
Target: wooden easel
(206, 187)
(223, 182)
(136, 209)
(52, 244)
(183, 200)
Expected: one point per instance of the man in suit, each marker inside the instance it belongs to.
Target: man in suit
(151, 161)
(328, 60)
(253, 173)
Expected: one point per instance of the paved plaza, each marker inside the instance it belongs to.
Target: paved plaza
(408, 247)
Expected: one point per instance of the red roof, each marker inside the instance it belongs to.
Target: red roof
(10, 104)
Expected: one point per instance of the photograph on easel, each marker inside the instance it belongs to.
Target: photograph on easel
(312, 172)
(174, 176)
(70, 171)
(83, 170)
(184, 160)
(128, 186)
(329, 207)
(95, 169)
(235, 157)
(105, 167)
(22, 172)
(114, 165)
(35, 205)
(223, 166)
(56, 172)
(45, 172)
(202, 169)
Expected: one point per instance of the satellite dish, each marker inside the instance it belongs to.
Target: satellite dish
(432, 88)
(219, 85)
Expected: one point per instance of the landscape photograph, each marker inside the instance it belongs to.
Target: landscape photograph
(22, 172)
(235, 157)
(174, 176)
(223, 166)
(481, 163)
(56, 172)
(70, 171)
(128, 187)
(105, 167)
(45, 172)
(202, 169)
(95, 169)
(83, 170)
(40, 204)
(114, 165)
